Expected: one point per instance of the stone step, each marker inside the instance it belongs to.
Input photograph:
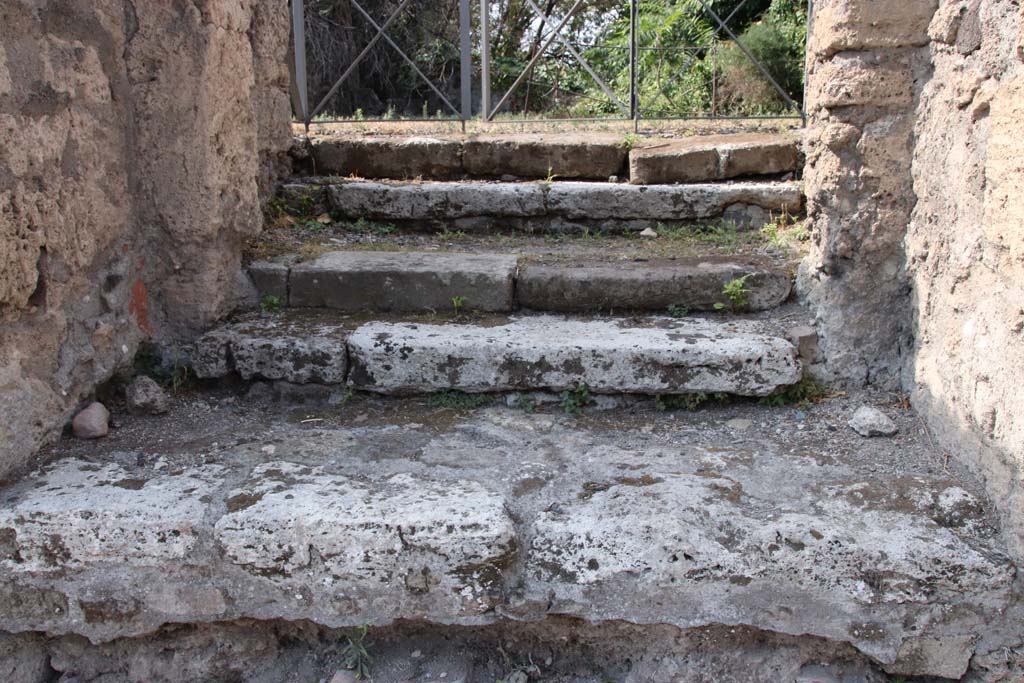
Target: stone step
(615, 356)
(712, 157)
(501, 517)
(417, 281)
(590, 156)
(559, 206)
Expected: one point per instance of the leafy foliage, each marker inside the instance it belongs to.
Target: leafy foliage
(686, 62)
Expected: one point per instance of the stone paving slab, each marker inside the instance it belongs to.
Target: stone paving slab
(685, 284)
(404, 281)
(500, 514)
(712, 157)
(547, 352)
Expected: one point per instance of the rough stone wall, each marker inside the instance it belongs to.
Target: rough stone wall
(915, 183)
(867, 61)
(135, 138)
(965, 246)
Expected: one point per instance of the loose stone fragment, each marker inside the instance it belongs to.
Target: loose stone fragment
(869, 421)
(146, 397)
(92, 423)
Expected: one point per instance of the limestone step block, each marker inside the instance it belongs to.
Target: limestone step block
(703, 158)
(297, 349)
(692, 284)
(111, 550)
(441, 201)
(668, 203)
(711, 546)
(713, 157)
(593, 156)
(404, 281)
(660, 356)
(481, 205)
(387, 157)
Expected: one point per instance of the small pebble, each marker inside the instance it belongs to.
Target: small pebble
(869, 421)
(648, 232)
(92, 423)
(739, 424)
(343, 676)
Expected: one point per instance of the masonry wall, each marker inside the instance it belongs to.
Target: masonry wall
(965, 246)
(867, 63)
(136, 138)
(915, 185)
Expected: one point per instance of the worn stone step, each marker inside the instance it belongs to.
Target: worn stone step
(404, 281)
(590, 156)
(417, 281)
(475, 205)
(545, 352)
(615, 355)
(500, 516)
(695, 284)
(593, 156)
(704, 158)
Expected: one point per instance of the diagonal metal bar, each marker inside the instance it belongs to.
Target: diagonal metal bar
(750, 56)
(408, 61)
(579, 58)
(355, 63)
(522, 77)
(689, 63)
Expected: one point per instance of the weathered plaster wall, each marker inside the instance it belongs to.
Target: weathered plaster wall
(965, 246)
(867, 62)
(135, 138)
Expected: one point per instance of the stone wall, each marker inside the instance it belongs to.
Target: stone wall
(915, 185)
(965, 246)
(867, 61)
(136, 138)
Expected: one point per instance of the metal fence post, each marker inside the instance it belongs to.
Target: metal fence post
(633, 57)
(299, 39)
(466, 68)
(485, 57)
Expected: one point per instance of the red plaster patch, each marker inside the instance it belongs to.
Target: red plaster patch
(139, 306)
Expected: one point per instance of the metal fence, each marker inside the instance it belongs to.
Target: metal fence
(472, 96)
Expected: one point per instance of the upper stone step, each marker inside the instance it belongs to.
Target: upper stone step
(591, 156)
(474, 205)
(416, 281)
(617, 355)
(712, 157)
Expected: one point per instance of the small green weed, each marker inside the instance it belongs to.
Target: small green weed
(803, 394)
(736, 292)
(630, 141)
(167, 368)
(678, 310)
(355, 657)
(450, 399)
(270, 303)
(459, 304)
(575, 400)
(447, 235)
(526, 404)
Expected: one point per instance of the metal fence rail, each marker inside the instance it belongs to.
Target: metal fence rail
(550, 34)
